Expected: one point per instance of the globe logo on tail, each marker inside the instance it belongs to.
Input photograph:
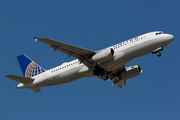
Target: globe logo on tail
(33, 69)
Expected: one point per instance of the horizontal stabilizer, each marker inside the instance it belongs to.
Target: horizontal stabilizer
(19, 78)
(38, 89)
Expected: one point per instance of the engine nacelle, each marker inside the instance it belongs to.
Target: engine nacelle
(103, 55)
(129, 72)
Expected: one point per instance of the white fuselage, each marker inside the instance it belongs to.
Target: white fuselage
(123, 53)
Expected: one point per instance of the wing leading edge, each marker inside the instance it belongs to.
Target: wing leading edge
(80, 53)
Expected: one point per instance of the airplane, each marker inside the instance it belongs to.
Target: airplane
(108, 63)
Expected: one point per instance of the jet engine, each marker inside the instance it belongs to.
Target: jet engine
(131, 72)
(128, 73)
(103, 55)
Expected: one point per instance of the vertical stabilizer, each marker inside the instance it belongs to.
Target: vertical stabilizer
(29, 67)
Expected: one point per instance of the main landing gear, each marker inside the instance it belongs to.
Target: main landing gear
(157, 51)
(100, 72)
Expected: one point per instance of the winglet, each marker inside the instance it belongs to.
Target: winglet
(36, 38)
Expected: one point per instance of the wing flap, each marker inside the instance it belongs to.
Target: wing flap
(19, 79)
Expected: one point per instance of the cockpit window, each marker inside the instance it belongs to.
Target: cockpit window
(159, 33)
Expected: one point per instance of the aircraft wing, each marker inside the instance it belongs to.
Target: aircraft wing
(77, 52)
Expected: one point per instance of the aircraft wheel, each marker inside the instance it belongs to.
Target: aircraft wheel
(158, 54)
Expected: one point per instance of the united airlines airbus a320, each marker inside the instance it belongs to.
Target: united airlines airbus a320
(108, 63)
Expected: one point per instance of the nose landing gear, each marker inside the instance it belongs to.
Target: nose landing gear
(158, 54)
(157, 51)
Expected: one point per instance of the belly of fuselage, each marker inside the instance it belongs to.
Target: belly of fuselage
(62, 78)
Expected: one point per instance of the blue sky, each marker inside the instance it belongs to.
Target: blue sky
(94, 25)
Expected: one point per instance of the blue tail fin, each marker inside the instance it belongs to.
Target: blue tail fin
(29, 67)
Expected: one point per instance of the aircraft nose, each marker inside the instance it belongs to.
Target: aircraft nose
(171, 38)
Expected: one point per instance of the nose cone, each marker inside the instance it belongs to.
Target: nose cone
(170, 38)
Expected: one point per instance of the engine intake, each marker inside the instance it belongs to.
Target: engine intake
(129, 72)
